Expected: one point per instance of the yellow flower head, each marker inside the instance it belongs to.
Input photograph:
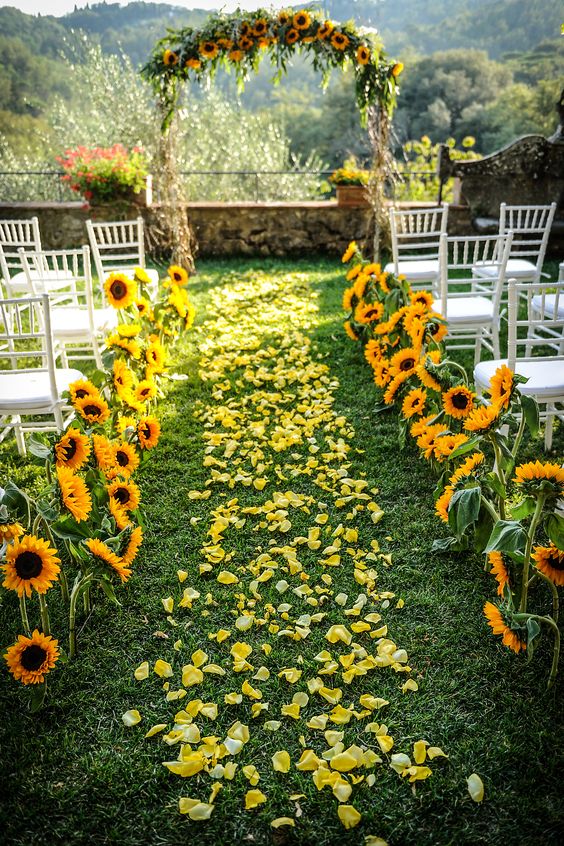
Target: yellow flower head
(513, 637)
(31, 564)
(120, 290)
(363, 55)
(93, 409)
(30, 659)
(178, 275)
(301, 20)
(482, 418)
(458, 402)
(350, 331)
(74, 493)
(339, 40)
(72, 449)
(502, 386)
(368, 312)
(414, 403)
(349, 252)
(550, 561)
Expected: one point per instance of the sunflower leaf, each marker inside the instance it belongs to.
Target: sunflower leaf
(38, 448)
(469, 446)
(496, 485)
(37, 697)
(524, 508)
(507, 536)
(530, 410)
(108, 589)
(448, 545)
(464, 509)
(554, 527)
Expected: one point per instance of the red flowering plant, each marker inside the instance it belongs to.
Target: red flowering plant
(104, 173)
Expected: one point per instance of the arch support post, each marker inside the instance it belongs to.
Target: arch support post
(381, 174)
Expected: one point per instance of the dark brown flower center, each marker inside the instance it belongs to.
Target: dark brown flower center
(33, 657)
(28, 565)
(92, 410)
(81, 393)
(118, 290)
(556, 561)
(145, 431)
(122, 458)
(70, 449)
(122, 495)
(407, 364)
(460, 401)
(372, 312)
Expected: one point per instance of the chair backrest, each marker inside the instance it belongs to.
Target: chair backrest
(541, 326)
(416, 233)
(26, 340)
(117, 245)
(460, 261)
(531, 227)
(63, 274)
(16, 235)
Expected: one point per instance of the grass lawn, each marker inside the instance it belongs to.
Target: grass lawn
(74, 774)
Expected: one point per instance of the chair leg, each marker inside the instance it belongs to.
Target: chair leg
(550, 409)
(477, 349)
(18, 432)
(97, 354)
(58, 414)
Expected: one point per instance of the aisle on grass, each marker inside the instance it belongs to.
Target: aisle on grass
(284, 661)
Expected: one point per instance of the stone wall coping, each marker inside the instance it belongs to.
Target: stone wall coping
(71, 205)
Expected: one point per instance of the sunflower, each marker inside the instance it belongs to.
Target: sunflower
(427, 439)
(148, 432)
(353, 272)
(126, 460)
(414, 403)
(208, 49)
(414, 314)
(143, 307)
(393, 387)
(425, 377)
(129, 398)
(419, 426)
(372, 269)
(301, 20)
(363, 55)
(225, 43)
(397, 69)
(103, 451)
(126, 494)
(405, 361)
(443, 502)
(194, 64)
(31, 564)
(529, 475)
(446, 445)
(178, 275)
(245, 43)
(236, 55)
(190, 316)
(550, 561)
(350, 331)
(373, 352)
(383, 282)
(260, 27)
(74, 493)
(499, 570)
(170, 58)
(482, 418)
(133, 545)
(10, 531)
(513, 638)
(73, 449)
(120, 290)
(458, 402)
(124, 423)
(368, 312)
(129, 345)
(502, 386)
(30, 659)
(467, 467)
(424, 298)
(284, 18)
(82, 388)
(325, 30)
(100, 551)
(119, 514)
(93, 409)
(124, 378)
(435, 327)
(360, 284)
(129, 330)
(382, 374)
(339, 40)
(349, 252)
(155, 356)
(145, 391)
(347, 299)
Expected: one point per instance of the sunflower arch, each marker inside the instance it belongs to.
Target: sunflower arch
(238, 42)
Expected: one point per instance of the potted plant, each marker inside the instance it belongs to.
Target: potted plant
(350, 182)
(108, 174)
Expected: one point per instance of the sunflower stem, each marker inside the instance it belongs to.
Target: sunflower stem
(44, 614)
(554, 592)
(79, 586)
(499, 472)
(64, 586)
(36, 524)
(23, 612)
(48, 472)
(548, 621)
(490, 509)
(529, 546)
(517, 444)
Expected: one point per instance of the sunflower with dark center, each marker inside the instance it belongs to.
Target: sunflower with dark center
(324, 32)
(170, 58)
(245, 43)
(92, 409)
(260, 27)
(82, 388)
(515, 637)
(339, 40)
(148, 432)
(30, 659)
(127, 494)
(120, 290)
(414, 403)
(146, 390)
(405, 361)
(283, 18)
(292, 36)
(458, 402)
(124, 378)
(31, 564)
(436, 330)
(550, 561)
(208, 49)
(126, 460)
(368, 312)
(502, 386)
(73, 449)
(178, 275)
(104, 555)
(363, 55)
(74, 494)
(301, 20)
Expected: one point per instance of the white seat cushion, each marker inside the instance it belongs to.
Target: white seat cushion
(467, 309)
(419, 270)
(73, 322)
(31, 391)
(545, 375)
(55, 280)
(517, 268)
(549, 305)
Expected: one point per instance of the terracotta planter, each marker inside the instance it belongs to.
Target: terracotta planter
(352, 195)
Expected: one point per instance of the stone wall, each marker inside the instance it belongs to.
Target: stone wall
(229, 229)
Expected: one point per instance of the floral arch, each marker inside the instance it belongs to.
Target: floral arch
(238, 42)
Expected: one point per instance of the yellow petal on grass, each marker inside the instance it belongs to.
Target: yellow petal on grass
(131, 718)
(373, 840)
(156, 730)
(168, 604)
(281, 761)
(162, 669)
(195, 809)
(191, 675)
(475, 787)
(416, 773)
(349, 816)
(410, 684)
(254, 798)
(251, 773)
(435, 752)
(280, 821)
(142, 671)
(420, 751)
(227, 578)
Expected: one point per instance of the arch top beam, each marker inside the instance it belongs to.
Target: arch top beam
(240, 40)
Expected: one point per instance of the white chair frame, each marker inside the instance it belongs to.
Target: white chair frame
(473, 315)
(544, 318)
(416, 237)
(119, 246)
(30, 384)
(17, 235)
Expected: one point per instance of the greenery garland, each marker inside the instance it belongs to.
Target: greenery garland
(239, 41)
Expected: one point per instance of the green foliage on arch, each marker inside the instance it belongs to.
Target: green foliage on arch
(240, 40)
